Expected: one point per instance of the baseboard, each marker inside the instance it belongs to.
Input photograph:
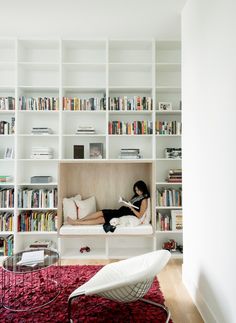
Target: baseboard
(199, 301)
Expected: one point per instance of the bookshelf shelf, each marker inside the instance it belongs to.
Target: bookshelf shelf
(38, 184)
(27, 233)
(36, 208)
(168, 183)
(87, 69)
(169, 207)
(6, 232)
(169, 231)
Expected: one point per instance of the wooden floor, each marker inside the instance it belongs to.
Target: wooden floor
(177, 299)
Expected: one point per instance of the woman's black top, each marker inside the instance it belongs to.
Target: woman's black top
(109, 214)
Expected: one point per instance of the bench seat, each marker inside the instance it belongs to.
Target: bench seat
(85, 230)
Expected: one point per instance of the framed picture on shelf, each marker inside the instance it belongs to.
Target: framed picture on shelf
(8, 153)
(96, 150)
(165, 106)
(176, 220)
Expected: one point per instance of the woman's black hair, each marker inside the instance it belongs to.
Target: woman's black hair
(142, 187)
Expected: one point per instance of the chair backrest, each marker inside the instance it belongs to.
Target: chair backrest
(130, 279)
(146, 218)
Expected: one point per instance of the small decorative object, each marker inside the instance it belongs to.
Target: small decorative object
(78, 151)
(84, 249)
(170, 245)
(96, 150)
(165, 106)
(173, 153)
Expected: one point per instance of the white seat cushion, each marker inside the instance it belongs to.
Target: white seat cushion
(143, 229)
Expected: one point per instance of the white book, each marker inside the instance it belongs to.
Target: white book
(127, 203)
(31, 257)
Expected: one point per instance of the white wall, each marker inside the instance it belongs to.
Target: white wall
(209, 156)
(91, 18)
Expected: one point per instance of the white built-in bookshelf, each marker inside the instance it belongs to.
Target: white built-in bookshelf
(85, 69)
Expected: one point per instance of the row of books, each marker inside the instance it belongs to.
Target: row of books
(135, 103)
(130, 128)
(174, 176)
(79, 104)
(169, 197)
(168, 128)
(7, 128)
(6, 221)
(41, 153)
(6, 245)
(7, 103)
(37, 221)
(6, 197)
(130, 153)
(172, 221)
(37, 198)
(40, 103)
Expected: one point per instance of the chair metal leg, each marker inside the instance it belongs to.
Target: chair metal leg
(69, 308)
(158, 305)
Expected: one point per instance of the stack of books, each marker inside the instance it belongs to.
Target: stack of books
(41, 244)
(42, 153)
(130, 153)
(6, 245)
(41, 131)
(173, 153)
(85, 130)
(174, 176)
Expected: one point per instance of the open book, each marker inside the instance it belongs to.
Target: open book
(127, 203)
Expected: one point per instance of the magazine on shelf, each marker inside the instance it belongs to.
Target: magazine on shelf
(127, 203)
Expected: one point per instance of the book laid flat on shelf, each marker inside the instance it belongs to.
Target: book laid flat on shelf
(85, 130)
(41, 131)
(31, 258)
(40, 179)
(127, 203)
(5, 178)
(41, 244)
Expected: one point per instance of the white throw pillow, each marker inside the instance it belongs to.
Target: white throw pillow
(126, 221)
(70, 207)
(86, 207)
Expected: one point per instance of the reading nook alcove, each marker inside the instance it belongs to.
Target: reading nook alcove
(106, 180)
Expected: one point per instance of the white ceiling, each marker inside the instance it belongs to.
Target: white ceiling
(91, 18)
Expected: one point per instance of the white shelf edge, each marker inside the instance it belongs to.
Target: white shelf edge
(168, 183)
(168, 207)
(36, 232)
(36, 209)
(169, 231)
(37, 184)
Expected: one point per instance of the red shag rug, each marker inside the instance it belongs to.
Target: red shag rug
(85, 309)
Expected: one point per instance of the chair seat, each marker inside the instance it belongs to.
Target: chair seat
(67, 229)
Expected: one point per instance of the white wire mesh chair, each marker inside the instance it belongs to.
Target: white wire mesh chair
(126, 280)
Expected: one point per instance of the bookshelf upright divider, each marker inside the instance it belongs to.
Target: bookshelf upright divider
(73, 78)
